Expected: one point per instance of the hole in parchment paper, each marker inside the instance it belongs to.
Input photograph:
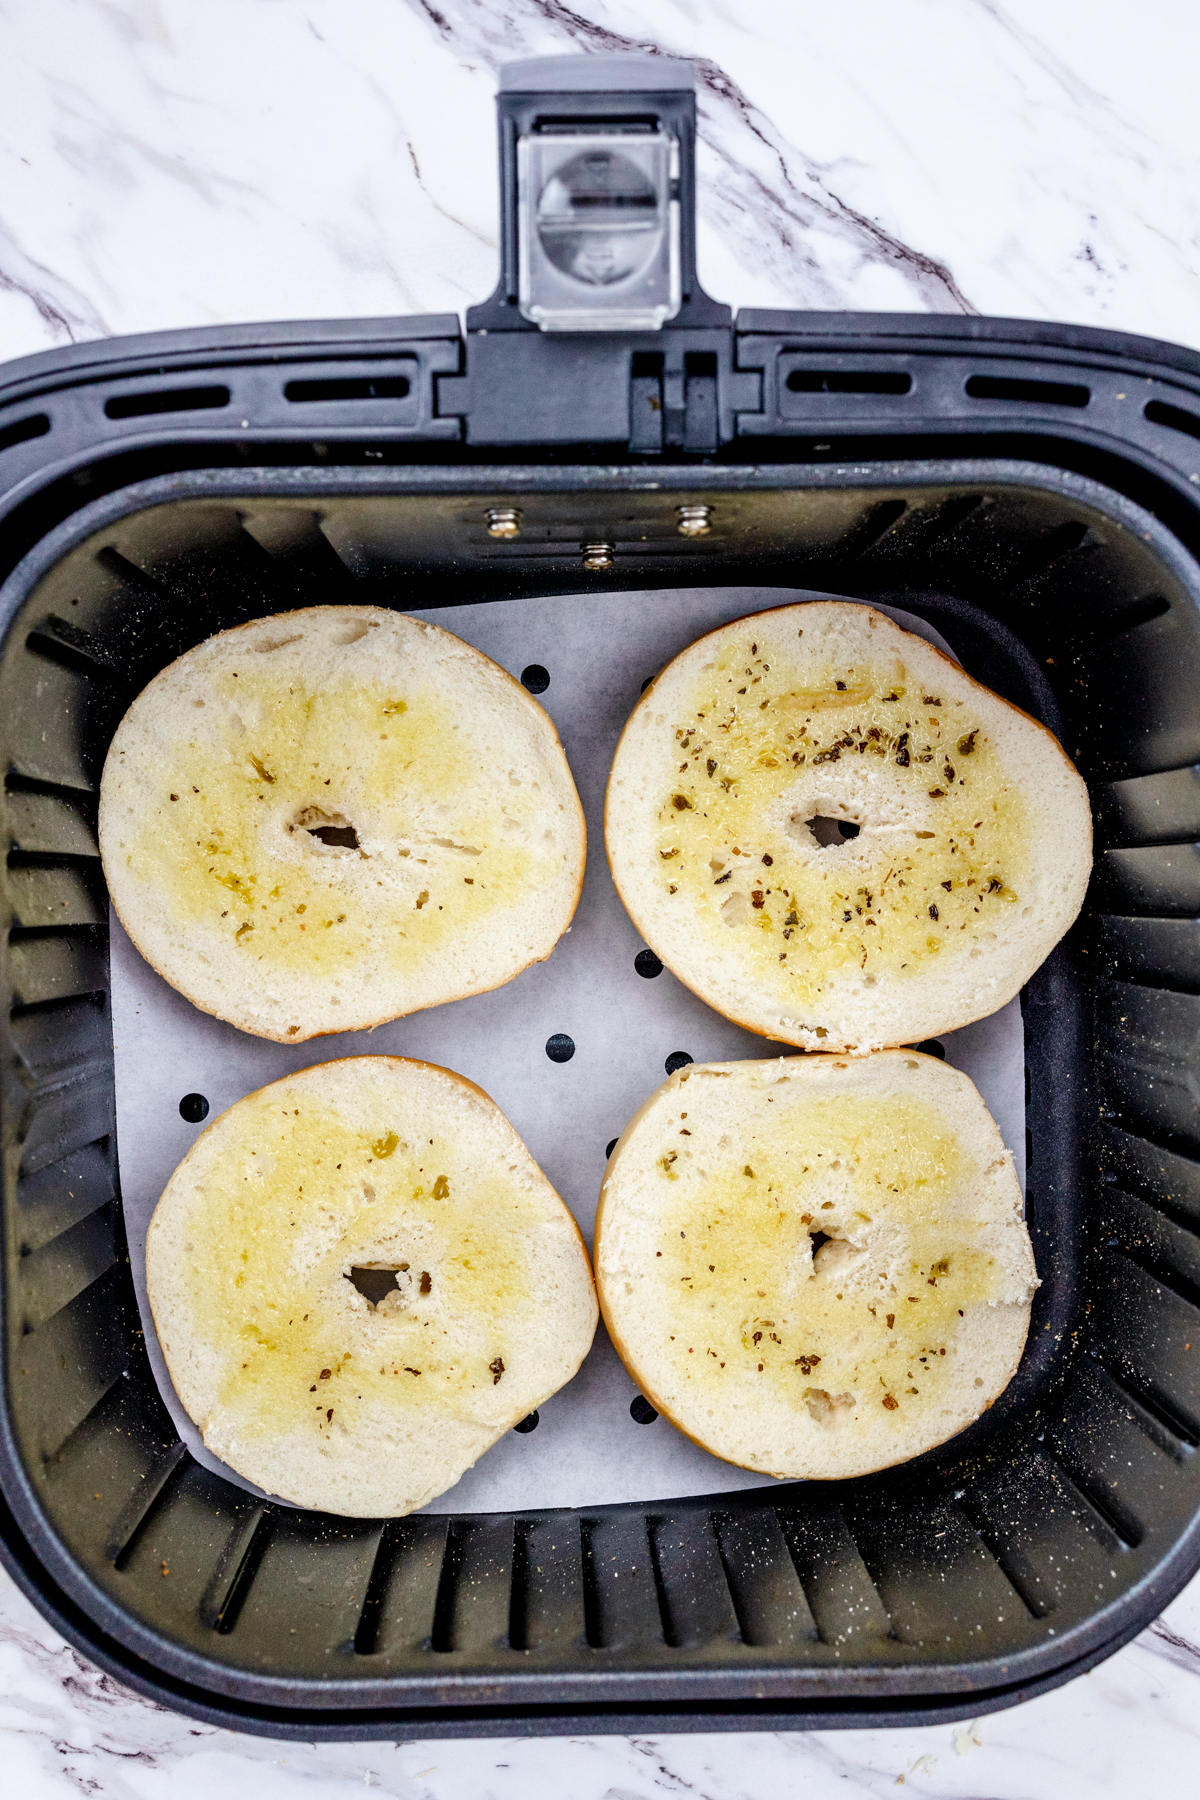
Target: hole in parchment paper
(612, 1144)
(647, 964)
(560, 1047)
(678, 1059)
(646, 683)
(829, 832)
(641, 1411)
(537, 680)
(527, 1424)
(932, 1047)
(374, 1284)
(193, 1108)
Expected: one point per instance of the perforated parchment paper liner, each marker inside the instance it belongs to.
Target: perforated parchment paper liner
(587, 1449)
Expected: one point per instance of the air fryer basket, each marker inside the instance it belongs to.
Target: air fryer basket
(1018, 1554)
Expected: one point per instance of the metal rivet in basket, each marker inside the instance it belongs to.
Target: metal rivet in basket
(504, 521)
(694, 521)
(597, 556)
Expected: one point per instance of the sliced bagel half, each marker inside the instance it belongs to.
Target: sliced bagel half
(330, 818)
(836, 837)
(361, 1279)
(816, 1266)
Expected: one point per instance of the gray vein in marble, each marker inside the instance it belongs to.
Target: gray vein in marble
(96, 144)
(367, 251)
(386, 100)
(1160, 1640)
(490, 241)
(1078, 91)
(66, 313)
(772, 212)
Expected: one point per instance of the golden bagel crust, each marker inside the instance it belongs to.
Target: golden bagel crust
(973, 834)
(334, 817)
(295, 1378)
(816, 1266)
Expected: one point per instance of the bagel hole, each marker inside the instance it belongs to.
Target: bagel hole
(375, 1282)
(333, 830)
(736, 910)
(830, 832)
(828, 1409)
(833, 1257)
(338, 837)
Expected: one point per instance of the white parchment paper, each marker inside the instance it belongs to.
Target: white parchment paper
(587, 1450)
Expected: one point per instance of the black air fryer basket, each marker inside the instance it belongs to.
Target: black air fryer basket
(1032, 490)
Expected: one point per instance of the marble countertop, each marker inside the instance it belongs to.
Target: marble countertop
(169, 164)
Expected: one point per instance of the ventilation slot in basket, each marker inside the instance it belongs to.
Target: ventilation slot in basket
(694, 1601)
(82, 651)
(400, 1608)
(1175, 418)
(52, 962)
(364, 387)
(73, 1360)
(1111, 1522)
(1150, 952)
(474, 1593)
(370, 1620)
(22, 430)
(166, 400)
(768, 1600)
(144, 585)
(1129, 617)
(869, 531)
(1024, 391)
(592, 1629)
(1151, 1171)
(1149, 1412)
(235, 1571)
(50, 1277)
(142, 1504)
(1062, 541)
(61, 1194)
(621, 1589)
(1011, 1566)
(518, 1597)
(844, 1601)
(848, 381)
(1163, 1249)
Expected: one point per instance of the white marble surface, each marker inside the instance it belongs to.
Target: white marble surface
(1127, 1730)
(167, 163)
(170, 163)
